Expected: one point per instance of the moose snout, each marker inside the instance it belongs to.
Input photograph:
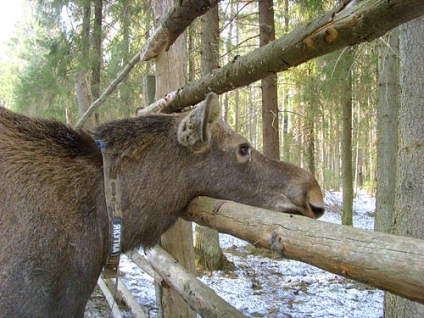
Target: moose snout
(317, 211)
(315, 206)
(310, 204)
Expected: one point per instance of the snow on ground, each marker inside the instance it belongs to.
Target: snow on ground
(266, 285)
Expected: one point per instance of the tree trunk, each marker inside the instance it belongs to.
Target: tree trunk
(285, 124)
(311, 146)
(191, 62)
(270, 120)
(346, 61)
(84, 98)
(207, 249)
(206, 240)
(149, 88)
(387, 129)
(125, 106)
(97, 52)
(408, 218)
(285, 120)
(178, 240)
(209, 41)
(85, 36)
(312, 111)
(81, 78)
(357, 168)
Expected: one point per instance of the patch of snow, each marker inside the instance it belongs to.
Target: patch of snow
(265, 287)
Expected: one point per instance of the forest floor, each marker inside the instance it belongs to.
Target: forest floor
(266, 285)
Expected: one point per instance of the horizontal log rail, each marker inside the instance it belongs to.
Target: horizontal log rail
(388, 262)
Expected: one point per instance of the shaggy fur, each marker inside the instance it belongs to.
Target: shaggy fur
(53, 218)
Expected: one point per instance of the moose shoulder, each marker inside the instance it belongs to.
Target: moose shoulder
(53, 217)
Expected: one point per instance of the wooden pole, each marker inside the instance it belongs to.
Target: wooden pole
(388, 262)
(200, 297)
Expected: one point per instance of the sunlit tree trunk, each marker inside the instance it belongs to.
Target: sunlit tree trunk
(178, 240)
(97, 53)
(84, 99)
(206, 240)
(312, 114)
(387, 129)
(125, 90)
(285, 132)
(270, 117)
(81, 78)
(235, 29)
(346, 62)
(408, 218)
(85, 36)
(190, 50)
(337, 151)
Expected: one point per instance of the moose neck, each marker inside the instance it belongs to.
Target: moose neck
(147, 160)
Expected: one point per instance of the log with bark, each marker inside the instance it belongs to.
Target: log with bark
(388, 262)
(115, 312)
(121, 293)
(200, 297)
(352, 23)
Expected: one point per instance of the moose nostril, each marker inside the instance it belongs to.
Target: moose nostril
(316, 200)
(317, 210)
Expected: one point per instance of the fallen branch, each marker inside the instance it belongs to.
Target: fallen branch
(388, 262)
(126, 296)
(141, 262)
(171, 27)
(116, 313)
(353, 23)
(200, 297)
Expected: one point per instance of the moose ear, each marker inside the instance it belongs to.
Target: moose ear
(195, 128)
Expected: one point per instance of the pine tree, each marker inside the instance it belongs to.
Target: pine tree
(387, 121)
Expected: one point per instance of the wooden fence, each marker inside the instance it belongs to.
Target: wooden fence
(388, 262)
(385, 261)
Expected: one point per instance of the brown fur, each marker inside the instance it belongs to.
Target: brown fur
(53, 221)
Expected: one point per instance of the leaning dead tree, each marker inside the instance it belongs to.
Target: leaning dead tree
(353, 23)
(388, 262)
(169, 29)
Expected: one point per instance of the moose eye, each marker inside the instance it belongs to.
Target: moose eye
(244, 150)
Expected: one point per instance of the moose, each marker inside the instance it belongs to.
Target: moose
(53, 214)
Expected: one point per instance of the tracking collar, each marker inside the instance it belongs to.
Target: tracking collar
(113, 196)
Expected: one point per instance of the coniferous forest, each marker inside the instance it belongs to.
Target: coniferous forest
(353, 117)
(57, 40)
